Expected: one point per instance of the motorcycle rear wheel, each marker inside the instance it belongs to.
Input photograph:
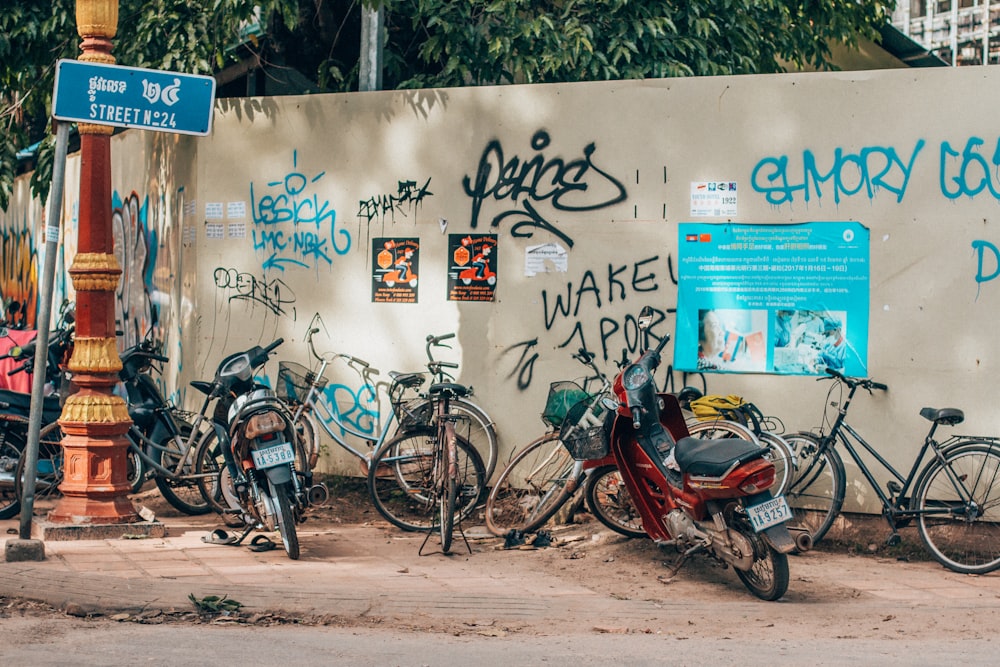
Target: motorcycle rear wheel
(767, 578)
(284, 517)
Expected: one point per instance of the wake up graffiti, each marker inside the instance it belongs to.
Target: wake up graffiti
(575, 185)
(293, 224)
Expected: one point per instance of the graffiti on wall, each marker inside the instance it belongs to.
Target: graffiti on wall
(524, 187)
(273, 294)
(963, 171)
(407, 198)
(135, 250)
(293, 224)
(18, 276)
(591, 310)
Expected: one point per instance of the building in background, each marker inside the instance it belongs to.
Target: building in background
(960, 32)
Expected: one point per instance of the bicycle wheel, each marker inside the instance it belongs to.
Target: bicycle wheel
(183, 491)
(209, 463)
(961, 498)
(534, 485)
(49, 467)
(306, 442)
(780, 454)
(717, 429)
(11, 446)
(401, 479)
(608, 499)
(816, 491)
(473, 425)
(449, 489)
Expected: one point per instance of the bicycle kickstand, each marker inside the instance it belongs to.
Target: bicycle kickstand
(427, 537)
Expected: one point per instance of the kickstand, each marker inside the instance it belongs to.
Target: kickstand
(461, 532)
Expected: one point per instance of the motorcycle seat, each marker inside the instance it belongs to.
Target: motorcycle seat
(18, 403)
(714, 458)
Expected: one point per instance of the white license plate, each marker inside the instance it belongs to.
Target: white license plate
(273, 456)
(769, 513)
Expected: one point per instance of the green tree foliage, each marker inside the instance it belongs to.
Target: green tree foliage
(429, 43)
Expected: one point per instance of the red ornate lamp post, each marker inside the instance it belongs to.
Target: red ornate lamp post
(94, 420)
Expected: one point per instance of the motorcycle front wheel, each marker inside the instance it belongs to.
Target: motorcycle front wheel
(284, 517)
(767, 578)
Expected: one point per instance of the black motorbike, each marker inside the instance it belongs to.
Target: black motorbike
(260, 479)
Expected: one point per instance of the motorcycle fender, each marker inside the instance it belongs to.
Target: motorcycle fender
(279, 474)
(780, 538)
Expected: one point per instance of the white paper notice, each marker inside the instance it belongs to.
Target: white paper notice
(236, 210)
(545, 258)
(214, 230)
(237, 230)
(213, 210)
(713, 199)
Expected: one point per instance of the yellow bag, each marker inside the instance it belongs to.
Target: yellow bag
(717, 406)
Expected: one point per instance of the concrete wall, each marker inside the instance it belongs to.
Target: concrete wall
(299, 187)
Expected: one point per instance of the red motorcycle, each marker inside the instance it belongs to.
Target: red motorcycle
(699, 496)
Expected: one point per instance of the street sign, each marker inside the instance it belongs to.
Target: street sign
(133, 97)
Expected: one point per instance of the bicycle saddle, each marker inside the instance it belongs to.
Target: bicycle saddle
(408, 380)
(714, 458)
(949, 416)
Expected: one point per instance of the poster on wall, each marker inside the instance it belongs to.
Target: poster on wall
(472, 267)
(713, 199)
(781, 299)
(395, 273)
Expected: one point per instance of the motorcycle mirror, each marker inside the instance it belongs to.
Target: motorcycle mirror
(645, 318)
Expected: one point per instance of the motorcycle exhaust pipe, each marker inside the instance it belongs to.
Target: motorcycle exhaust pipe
(318, 494)
(803, 540)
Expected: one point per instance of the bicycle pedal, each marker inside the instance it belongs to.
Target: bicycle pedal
(894, 487)
(893, 540)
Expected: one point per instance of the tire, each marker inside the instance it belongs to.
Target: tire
(401, 480)
(306, 441)
(136, 474)
(210, 461)
(717, 429)
(780, 454)
(474, 426)
(284, 517)
(11, 446)
(534, 485)
(768, 577)
(183, 493)
(816, 491)
(960, 542)
(610, 502)
(49, 467)
(448, 491)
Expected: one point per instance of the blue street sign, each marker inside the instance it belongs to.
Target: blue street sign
(133, 97)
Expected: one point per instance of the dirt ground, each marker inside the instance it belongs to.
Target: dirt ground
(710, 597)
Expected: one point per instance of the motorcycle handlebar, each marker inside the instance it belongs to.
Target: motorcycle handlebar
(273, 345)
(663, 342)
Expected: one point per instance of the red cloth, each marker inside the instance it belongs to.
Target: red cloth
(12, 338)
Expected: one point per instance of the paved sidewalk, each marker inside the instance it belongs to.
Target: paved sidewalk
(366, 573)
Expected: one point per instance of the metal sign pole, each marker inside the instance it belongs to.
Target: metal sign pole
(42, 323)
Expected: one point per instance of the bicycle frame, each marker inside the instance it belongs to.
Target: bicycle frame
(893, 507)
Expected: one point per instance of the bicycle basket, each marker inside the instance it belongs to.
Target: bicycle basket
(562, 397)
(294, 381)
(583, 438)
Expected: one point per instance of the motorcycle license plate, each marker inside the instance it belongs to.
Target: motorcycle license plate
(769, 513)
(273, 456)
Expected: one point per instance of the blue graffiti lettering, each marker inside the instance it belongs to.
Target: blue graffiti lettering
(872, 169)
(975, 174)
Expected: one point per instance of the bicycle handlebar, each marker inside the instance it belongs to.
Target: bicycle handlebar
(864, 383)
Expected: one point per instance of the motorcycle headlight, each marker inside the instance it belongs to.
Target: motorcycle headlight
(635, 376)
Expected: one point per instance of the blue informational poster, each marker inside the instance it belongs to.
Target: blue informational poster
(783, 299)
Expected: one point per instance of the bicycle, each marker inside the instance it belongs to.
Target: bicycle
(542, 477)
(429, 468)
(302, 388)
(954, 500)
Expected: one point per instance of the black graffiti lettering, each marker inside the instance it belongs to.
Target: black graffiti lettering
(588, 284)
(408, 197)
(568, 186)
(272, 294)
(638, 281)
(609, 327)
(614, 282)
(560, 306)
(577, 333)
(525, 367)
